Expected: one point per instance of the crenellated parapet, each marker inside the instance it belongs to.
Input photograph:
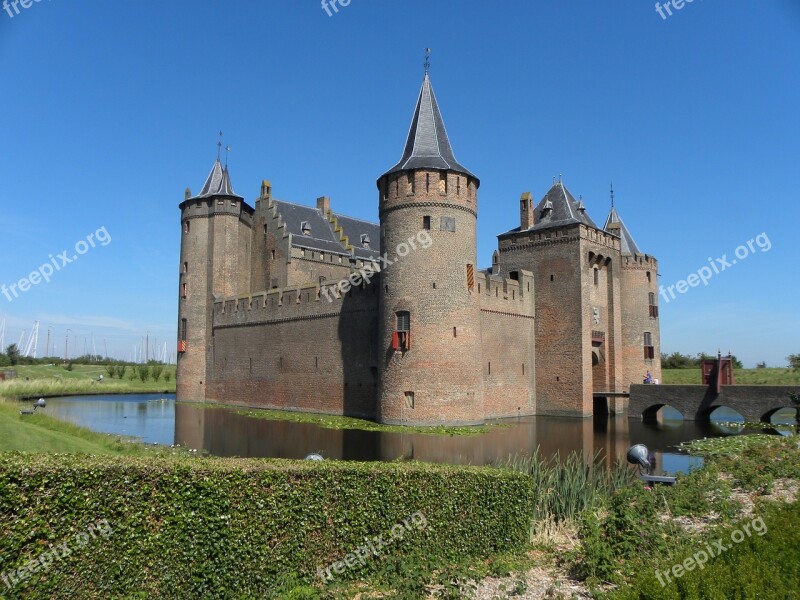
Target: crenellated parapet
(640, 262)
(308, 301)
(506, 295)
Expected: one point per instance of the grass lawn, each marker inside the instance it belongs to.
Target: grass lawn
(54, 380)
(741, 376)
(40, 433)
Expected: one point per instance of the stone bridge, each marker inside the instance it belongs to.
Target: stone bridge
(697, 402)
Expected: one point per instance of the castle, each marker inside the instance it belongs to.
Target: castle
(295, 307)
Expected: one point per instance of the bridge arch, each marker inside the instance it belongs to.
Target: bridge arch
(784, 413)
(665, 411)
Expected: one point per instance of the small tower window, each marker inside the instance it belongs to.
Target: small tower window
(184, 328)
(183, 290)
(426, 222)
(409, 399)
(401, 338)
(443, 182)
(447, 224)
(272, 254)
(653, 307)
(410, 183)
(186, 267)
(596, 276)
(364, 241)
(649, 349)
(427, 182)
(648, 277)
(458, 186)
(186, 227)
(305, 228)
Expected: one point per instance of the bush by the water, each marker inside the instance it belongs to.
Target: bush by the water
(765, 566)
(244, 528)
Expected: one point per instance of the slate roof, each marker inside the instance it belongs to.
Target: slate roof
(558, 208)
(218, 183)
(615, 226)
(428, 146)
(322, 237)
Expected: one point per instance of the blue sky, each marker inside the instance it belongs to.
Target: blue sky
(111, 109)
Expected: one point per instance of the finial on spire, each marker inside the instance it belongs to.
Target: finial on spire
(227, 150)
(219, 144)
(427, 60)
(612, 194)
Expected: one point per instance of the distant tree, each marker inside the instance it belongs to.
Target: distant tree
(69, 367)
(156, 371)
(167, 375)
(4, 362)
(761, 365)
(144, 372)
(794, 361)
(121, 371)
(12, 352)
(737, 364)
(111, 370)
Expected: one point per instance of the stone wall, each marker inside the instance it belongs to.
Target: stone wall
(696, 402)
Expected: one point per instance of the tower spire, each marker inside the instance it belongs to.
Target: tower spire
(612, 194)
(427, 60)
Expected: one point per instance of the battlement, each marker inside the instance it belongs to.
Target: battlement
(640, 262)
(306, 301)
(211, 207)
(506, 294)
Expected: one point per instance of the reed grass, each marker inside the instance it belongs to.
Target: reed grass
(565, 488)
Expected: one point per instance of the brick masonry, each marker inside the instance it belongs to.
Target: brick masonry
(696, 402)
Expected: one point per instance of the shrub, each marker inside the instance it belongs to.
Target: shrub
(167, 375)
(192, 528)
(111, 370)
(121, 371)
(156, 371)
(765, 566)
(143, 372)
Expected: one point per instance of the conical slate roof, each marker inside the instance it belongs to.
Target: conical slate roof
(615, 225)
(218, 183)
(428, 146)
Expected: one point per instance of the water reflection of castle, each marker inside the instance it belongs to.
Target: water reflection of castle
(223, 432)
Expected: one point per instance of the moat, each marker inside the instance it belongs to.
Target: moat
(158, 419)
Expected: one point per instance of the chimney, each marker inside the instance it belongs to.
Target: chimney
(324, 204)
(525, 211)
(266, 190)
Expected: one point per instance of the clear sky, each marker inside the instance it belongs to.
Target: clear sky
(111, 109)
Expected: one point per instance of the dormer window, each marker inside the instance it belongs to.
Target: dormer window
(305, 228)
(364, 240)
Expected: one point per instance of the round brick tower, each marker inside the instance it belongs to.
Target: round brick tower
(429, 341)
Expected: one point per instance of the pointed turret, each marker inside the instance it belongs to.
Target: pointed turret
(218, 183)
(615, 225)
(428, 146)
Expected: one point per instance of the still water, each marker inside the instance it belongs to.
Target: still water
(156, 418)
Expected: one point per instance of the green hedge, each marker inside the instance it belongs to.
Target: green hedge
(203, 527)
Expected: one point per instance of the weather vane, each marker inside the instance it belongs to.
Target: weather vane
(427, 60)
(612, 194)
(227, 150)
(219, 144)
